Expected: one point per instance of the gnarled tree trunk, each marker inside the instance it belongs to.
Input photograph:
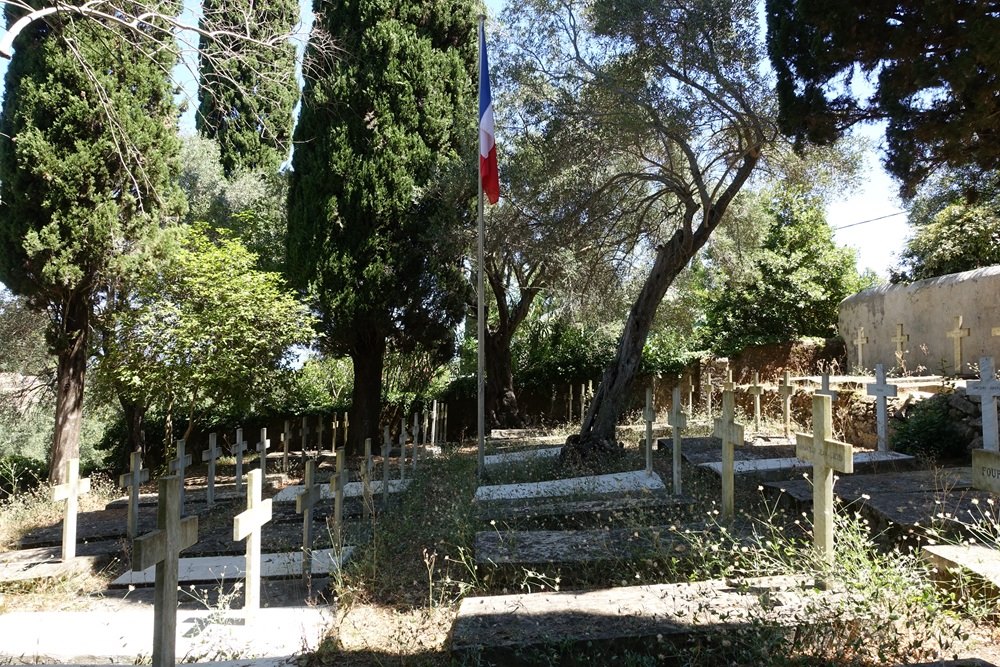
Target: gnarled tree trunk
(71, 371)
(368, 357)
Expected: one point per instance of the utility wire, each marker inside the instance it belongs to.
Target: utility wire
(864, 222)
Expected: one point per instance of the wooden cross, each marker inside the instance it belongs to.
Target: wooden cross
(988, 389)
(648, 415)
(882, 390)
(70, 491)
(238, 449)
(337, 483)
(678, 422)
(248, 525)
(286, 438)
(386, 445)
(367, 469)
(179, 465)
(900, 339)
(304, 504)
(402, 448)
(860, 343)
(708, 395)
(162, 548)
(827, 455)
(824, 389)
(210, 455)
(416, 435)
(957, 334)
(262, 448)
(131, 481)
(755, 390)
(730, 432)
(786, 389)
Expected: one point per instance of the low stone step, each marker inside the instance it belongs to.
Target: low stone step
(564, 513)
(351, 490)
(955, 560)
(503, 629)
(519, 457)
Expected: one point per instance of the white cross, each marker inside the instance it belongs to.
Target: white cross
(434, 416)
(860, 343)
(70, 491)
(162, 548)
(678, 422)
(179, 465)
(238, 449)
(248, 525)
(987, 387)
(755, 390)
(957, 334)
(881, 390)
(827, 455)
(730, 432)
(304, 503)
(131, 481)
(786, 389)
(337, 483)
(824, 389)
(648, 415)
(262, 448)
(900, 339)
(211, 454)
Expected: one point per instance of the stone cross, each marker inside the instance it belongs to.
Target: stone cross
(786, 389)
(434, 422)
(385, 468)
(402, 448)
(416, 434)
(262, 446)
(678, 422)
(730, 432)
(367, 469)
(210, 455)
(248, 525)
(648, 415)
(132, 480)
(70, 491)
(988, 389)
(859, 342)
(337, 483)
(827, 455)
(162, 548)
(957, 334)
(755, 390)
(238, 449)
(286, 438)
(900, 339)
(708, 395)
(881, 390)
(179, 465)
(304, 503)
(320, 430)
(825, 390)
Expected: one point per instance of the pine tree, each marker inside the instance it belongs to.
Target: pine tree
(87, 163)
(379, 190)
(247, 89)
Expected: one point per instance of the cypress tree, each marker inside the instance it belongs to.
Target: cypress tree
(87, 163)
(247, 87)
(383, 179)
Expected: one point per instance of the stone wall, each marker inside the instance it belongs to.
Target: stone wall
(926, 311)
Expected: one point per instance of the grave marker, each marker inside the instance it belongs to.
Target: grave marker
(304, 504)
(825, 390)
(708, 396)
(337, 483)
(131, 481)
(434, 422)
(648, 415)
(882, 390)
(210, 455)
(366, 480)
(827, 455)
(347, 423)
(179, 465)
(262, 446)
(416, 433)
(238, 449)
(248, 525)
(730, 432)
(162, 548)
(677, 422)
(900, 339)
(335, 427)
(786, 389)
(70, 491)
(286, 438)
(860, 343)
(957, 334)
(755, 390)
(689, 390)
(986, 461)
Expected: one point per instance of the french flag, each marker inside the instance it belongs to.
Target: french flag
(487, 144)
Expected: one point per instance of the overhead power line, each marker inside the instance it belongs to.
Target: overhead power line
(864, 222)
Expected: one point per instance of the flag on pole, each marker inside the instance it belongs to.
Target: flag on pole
(488, 173)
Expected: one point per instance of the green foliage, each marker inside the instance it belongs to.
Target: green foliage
(556, 352)
(790, 280)
(23, 331)
(247, 87)
(934, 66)
(322, 384)
(929, 431)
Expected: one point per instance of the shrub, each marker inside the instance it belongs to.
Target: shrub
(930, 432)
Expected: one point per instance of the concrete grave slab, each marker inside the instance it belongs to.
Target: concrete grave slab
(351, 490)
(526, 547)
(787, 468)
(500, 628)
(513, 458)
(976, 559)
(213, 569)
(562, 513)
(620, 482)
(92, 526)
(125, 636)
(851, 488)
(707, 450)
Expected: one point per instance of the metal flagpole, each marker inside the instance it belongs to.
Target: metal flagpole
(480, 305)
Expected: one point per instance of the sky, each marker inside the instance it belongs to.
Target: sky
(876, 243)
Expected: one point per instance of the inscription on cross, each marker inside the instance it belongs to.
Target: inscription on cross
(162, 548)
(957, 334)
(210, 455)
(756, 389)
(900, 339)
(131, 481)
(247, 525)
(859, 342)
(179, 465)
(786, 389)
(730, 432)
(881, 390)
(239, 448)
(827, 455)
(304, 503)
(678, 422)
(70, 491)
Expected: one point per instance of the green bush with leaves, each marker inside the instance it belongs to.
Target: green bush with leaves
(930, 432)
